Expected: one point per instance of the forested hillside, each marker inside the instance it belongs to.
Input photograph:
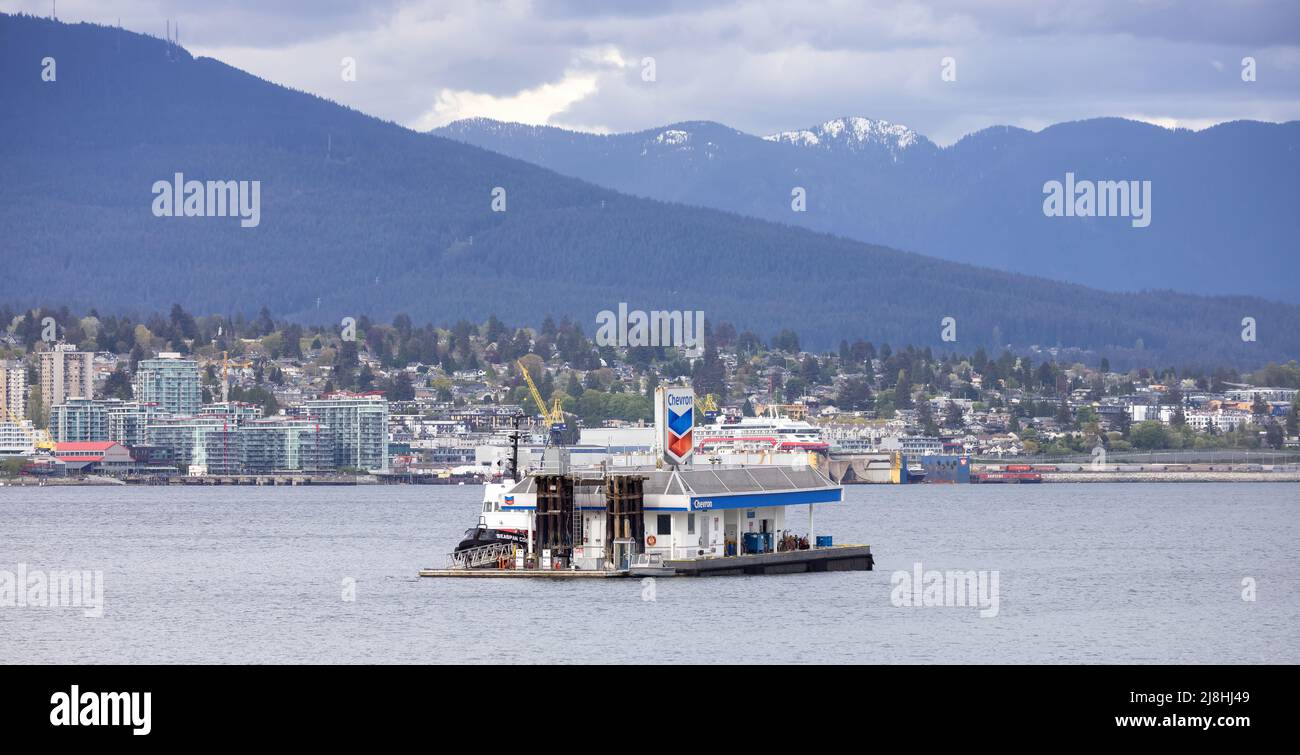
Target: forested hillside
(1222, 199)
(363, 216)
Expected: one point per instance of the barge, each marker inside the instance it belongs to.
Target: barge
(672, 519)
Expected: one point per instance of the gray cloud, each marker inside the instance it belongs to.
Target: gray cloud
(757, 66)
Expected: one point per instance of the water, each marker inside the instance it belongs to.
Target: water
(1087, 573)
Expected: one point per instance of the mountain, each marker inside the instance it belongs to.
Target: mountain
(361, 216)
(858, 136)
(1222, 199)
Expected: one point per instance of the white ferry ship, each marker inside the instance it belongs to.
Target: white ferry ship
(760, 434)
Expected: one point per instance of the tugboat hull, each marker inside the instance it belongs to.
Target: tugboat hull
(482, 536)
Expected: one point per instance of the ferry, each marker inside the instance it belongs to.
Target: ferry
(760, 434)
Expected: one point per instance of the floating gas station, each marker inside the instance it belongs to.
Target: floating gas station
(675, 518)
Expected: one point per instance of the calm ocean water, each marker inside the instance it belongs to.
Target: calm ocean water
(1087, 573)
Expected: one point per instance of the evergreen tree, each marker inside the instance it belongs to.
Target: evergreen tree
(854, 396)
(903, 391)
(925, 418)
(1063, 417)
(574, 386)
(291, 338)
(264, 326)
(952, 416)
(401, 388)
(118, 385)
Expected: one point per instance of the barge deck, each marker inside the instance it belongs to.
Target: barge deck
(833, 558)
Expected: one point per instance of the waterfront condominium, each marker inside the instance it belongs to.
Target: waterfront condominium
(79, 420)
(170, 382)
(16, 439)
(13, 390)
(128, 421)
(197, 445)
(285, 444)
(237, 412)
(359, 423)
(82, 420)
(66, 373)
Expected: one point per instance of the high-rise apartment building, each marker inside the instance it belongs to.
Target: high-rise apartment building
(13, 390)
(359, 423)
(66, 373)
(170, 382)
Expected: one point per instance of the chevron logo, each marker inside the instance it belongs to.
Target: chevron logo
(681, 446)
(680, 423)
(675, 420)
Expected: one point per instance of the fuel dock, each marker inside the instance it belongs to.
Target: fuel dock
(673, 519)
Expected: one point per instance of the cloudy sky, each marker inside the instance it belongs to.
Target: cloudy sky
(760, 67)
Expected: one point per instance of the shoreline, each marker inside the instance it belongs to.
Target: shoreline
(1055, 478)
(1095, 477)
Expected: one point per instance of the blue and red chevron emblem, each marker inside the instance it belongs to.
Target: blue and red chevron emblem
(680, 440)
(680, 423)
(678, 418)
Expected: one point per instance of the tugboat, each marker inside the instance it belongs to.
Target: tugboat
(483, 535)
(497, 526)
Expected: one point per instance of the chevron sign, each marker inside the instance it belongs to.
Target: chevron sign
(675, 415)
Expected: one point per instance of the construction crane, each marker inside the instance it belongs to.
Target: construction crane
(553, 418)
(225, 374)
(41, 440)
(707, 407)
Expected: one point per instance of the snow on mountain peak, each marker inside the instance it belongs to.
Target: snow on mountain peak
(673, 137)
(854, 133)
